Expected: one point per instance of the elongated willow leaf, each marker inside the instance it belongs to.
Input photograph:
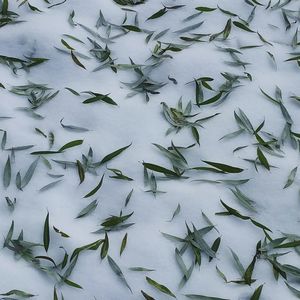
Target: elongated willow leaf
(146, 296)
(263, 159)
(70, 145)
(76, 60)
(81, 171)
(176, 212)
(7, 173)
(128, 197)
(63, 148)
(205, 8)
(296, 292)
(242, 26)
(111, 155)
(249, 271)
(159, 169)
(189, 28)
(95, 189)
(9, 235)
(118, 271)
(88, 209)
(224, 167)
(55, 297)
(100, 97)
(17, 293)
(160, 287)
(240, 268)
(46, 233)
(123, 244)
(141, 269)
(244, 200)
(291, 178)
(49, 185)
(105, 247)
(70, 283)
(257, 293)
(158, 14)
(72, 127)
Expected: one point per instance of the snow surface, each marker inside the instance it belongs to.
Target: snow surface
(141, 123)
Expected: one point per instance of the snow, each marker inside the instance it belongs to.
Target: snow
(140, 123)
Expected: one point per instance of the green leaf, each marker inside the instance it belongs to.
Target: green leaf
(72, 127)
(205, 8)
(196, 134)
(224, 167)
(49, 185)
(105, 246)
(4, 8)
(76, 60)
(238, 263)
(159, 169)
(9, 235)
(112, 155)
(242, 26)
(128, 197)
(215, 246)
(158, 14)
(71, 283)
(212, 99)
(293, 290)
(160, 287)
(70, 145)
(257, 293)
(95, 189)
(123, 244)
(46, 233)
(81, 171)
(248, 273)
(88, 209)
(132, 28)
(291, 178)
(146, 296)
(141, 269)
(55, 297)
(244, 200)
(263, 159)
(17, 293)
(176, 212)
(63, 234)
(7, 173)
(117, 271)
(232, 211)
(115, 220)
(100, 97)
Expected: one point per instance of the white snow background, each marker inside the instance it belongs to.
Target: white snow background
(140, 123)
